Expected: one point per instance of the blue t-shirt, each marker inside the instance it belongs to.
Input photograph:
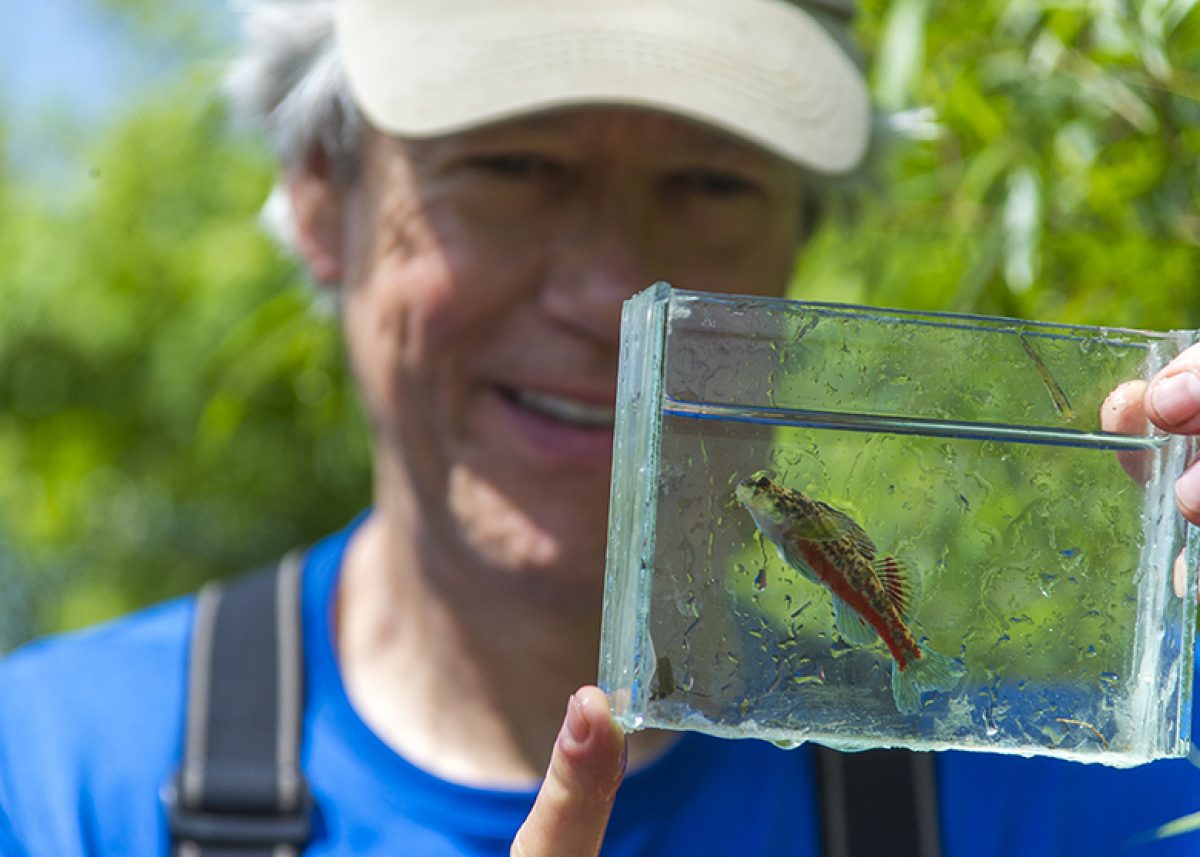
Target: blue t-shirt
(91, 728)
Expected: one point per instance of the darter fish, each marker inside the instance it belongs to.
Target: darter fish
(870, 593)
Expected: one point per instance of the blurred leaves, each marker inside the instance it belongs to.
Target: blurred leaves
(901, 53)
(170, 405)
(1050, 168)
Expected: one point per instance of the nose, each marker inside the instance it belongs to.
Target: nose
(602, 258)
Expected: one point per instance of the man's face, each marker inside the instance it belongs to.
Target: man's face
(483, 278)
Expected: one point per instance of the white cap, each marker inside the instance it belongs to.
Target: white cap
(763, 70)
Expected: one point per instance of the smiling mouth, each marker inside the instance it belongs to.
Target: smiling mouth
(564, 409)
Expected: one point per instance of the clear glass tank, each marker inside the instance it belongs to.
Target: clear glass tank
(946, 479)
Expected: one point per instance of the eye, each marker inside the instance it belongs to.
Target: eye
(763, 482)
(516, 165)
(712, 182)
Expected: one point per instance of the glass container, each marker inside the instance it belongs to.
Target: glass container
(879, 528)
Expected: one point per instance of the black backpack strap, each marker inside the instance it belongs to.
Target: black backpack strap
(878, 802)
(240, 790)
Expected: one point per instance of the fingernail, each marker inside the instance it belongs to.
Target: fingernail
(1187, 489)
(1177, 398)
(576, 724)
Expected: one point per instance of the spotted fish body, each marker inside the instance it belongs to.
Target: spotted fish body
(869, 593)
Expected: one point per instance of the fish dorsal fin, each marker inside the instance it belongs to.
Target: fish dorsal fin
(819, 525)
(897, 582)
(827, 524)
(850, 529)
(862, 541)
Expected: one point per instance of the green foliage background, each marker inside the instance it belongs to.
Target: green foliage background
(174, 404)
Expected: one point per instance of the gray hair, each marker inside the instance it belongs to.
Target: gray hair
(287, 82)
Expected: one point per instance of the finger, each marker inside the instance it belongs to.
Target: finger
(1173, 400)
(1173, 403)
(573, 805)
(1124, 412)
(1181, 573)
(1187, 493)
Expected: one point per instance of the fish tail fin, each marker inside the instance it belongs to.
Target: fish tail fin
(931, 671)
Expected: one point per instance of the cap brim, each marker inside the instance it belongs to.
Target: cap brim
(763, 70)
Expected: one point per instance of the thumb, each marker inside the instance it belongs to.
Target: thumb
(586, 766)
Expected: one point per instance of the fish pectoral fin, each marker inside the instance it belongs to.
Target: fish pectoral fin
(799, 565)
(897, 582)
(850, 624)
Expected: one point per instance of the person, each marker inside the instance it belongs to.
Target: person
(482, 185)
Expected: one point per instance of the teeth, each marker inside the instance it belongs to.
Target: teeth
(568, 410)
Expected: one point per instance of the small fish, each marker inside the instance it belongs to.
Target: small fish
(870, 593)
(1057, 395)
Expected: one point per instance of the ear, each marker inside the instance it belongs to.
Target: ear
(317, 200)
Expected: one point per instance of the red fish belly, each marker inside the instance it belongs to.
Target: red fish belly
(841, 585)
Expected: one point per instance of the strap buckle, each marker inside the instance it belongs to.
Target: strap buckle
(207, 827)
